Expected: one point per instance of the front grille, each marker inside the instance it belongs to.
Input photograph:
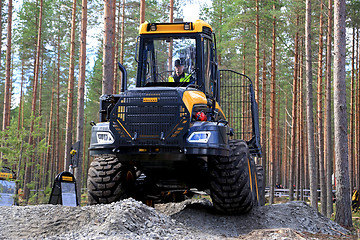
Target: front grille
(149, 118)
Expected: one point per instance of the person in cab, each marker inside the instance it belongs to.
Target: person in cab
(179, 75)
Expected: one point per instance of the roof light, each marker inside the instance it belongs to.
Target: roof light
(153, 27)
(186, 26)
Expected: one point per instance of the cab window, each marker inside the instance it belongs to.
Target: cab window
(207, 68)
(159, 56)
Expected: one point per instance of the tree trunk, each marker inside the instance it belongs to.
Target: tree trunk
(1, 29)
(170, 52)
(320, 116)
(303, 144)
(285, 149)
(278, 148)
(357, 116)
(257, 52)
(117, 40)
(7, 93)
(39, 159)
(70, 92)
(263, 118)
(272, 133)
(299, 153)
(122, 37)
(142, 11)
(109, 37)
(343, 202)
(21, 93)
(328, 129)
(48, 151)
(351, 127)
(27, 177)
(81, 93)
(309, 109)
(57, 138)
(302, 130)
(294, 119)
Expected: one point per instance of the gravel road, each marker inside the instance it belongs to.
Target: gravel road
(191, 219)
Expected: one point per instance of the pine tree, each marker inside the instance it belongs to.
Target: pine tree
(309, 109)
(343, 203)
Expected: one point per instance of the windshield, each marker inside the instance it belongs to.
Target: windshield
(168, 60)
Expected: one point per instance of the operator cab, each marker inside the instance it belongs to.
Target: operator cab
(191, 43)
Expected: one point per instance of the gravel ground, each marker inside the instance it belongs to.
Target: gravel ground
(191, 219)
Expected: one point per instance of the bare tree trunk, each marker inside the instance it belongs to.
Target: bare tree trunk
(84, 170)
(142, 11)
(272, 113)
(27, 177)
(328, 129)
(343, 201)
(48, 151)
(117, 40)
(122, 37)
(357, 117)
(70, 92)
(299, 143)
(263, 118)
(301, 146)
(21, 92)
(351, 127)
(39, 159)
(1, 29)
(57, 137)
(309, 109)
(357, 114)
(170, 52)
(109, 37)
(285, 148)
(7, 93)
(320, 116)
(294, 119)
(81, 93)
(257, 52)
(278, 148)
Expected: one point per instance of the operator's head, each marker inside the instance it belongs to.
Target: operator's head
(179, 67)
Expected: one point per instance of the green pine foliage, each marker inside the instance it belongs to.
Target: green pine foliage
(233, 22)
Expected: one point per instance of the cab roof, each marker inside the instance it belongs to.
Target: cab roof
(184, 27)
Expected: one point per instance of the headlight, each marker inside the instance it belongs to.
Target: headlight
(104, 137)
(199, 137)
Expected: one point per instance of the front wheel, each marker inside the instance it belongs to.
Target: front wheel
(230, 188)
(108, 181)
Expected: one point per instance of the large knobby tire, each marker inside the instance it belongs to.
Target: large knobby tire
(229, 180)
(106, 181)
(260, 183)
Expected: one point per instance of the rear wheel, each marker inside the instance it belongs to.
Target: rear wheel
(109, 181)
(229, 180)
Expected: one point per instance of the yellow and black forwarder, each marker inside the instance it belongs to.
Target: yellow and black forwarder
(163, 140)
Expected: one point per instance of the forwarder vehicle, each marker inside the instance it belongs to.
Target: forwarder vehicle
(7, 187)
(162, 140)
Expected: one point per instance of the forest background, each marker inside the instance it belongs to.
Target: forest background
(40, 71)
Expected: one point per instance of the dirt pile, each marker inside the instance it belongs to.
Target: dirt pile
(191, 219)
